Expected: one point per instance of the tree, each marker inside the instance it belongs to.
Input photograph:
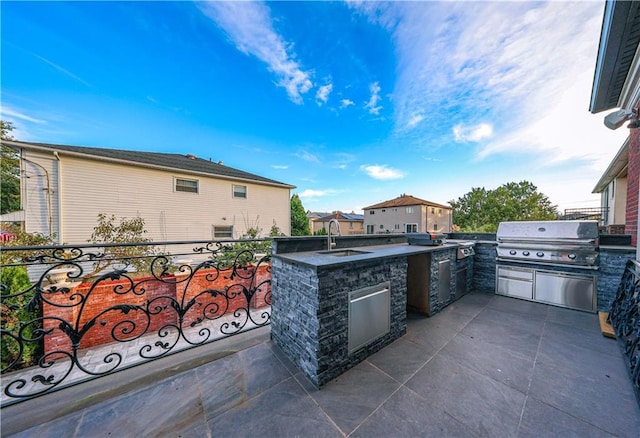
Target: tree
(299, 220)
(481, 210)
(127, 231)
(10, 173)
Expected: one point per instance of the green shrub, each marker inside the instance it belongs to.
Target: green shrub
(18, 319)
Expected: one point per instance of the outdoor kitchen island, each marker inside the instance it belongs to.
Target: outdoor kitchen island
(332, 309)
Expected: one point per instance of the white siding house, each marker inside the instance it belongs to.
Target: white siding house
(180, 197)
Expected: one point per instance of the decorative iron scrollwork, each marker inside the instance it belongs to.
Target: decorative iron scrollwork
(70, 325)
(625, 319)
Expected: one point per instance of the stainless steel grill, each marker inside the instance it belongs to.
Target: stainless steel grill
(551, 262)
(572, 243)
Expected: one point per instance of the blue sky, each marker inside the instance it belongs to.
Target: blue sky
(354, 103)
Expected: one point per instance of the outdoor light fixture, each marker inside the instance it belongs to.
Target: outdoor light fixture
(618, 117)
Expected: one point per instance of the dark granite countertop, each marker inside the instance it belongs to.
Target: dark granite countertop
(625, 248)
(318, 259)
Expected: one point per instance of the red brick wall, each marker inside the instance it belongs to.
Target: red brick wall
(208, 290)
(633, 179)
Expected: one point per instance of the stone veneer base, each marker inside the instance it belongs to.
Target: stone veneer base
(310, 310)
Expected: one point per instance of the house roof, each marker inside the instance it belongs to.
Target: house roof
(175, 162)
(615, 168)
(619, 41)
(316, 214)
(342, 216)
(404, 201)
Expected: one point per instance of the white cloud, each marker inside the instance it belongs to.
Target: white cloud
(280, 166)
(475, 133)
(322, 95)
(307, 156)
(345, 103)
(382, 172)
(249, 27)
(415, 120)
(309, 193)
(528, 67)
(372, 104)
(8, 112)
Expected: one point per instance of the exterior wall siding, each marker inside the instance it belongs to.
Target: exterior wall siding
(389, 217)
(90, 187)
(619, 201)
(40, 193)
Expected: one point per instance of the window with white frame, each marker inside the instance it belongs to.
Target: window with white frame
(372, 212)
(409, 210)
(412, 228)
(186, 185)
(239, 191)
(370, 229)
(223, 231)
(396, 227)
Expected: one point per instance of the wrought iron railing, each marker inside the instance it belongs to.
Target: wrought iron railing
(74, 313)
(592, 213)
(625, 319)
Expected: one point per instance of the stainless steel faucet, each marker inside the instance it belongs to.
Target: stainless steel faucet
(331, 244)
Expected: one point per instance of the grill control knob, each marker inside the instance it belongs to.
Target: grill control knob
(540, 254)
(512, 252)
(572, 256)
(525, 253)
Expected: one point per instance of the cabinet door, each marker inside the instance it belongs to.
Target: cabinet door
(573, 291)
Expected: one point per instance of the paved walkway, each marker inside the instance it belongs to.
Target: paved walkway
(485, 366)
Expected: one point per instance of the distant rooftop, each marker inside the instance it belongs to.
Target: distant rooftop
(404, 201)
(343, 216)
(186, 163)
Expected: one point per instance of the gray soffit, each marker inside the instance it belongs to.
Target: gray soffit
(619, 40)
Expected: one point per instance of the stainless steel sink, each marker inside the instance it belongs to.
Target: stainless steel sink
(343, 252)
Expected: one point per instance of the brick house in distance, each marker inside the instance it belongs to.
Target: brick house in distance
(180, 197)
(350, 223)
(407, 214)
(616, 84)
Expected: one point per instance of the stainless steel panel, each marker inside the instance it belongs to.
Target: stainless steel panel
(547, 230)
(515, 273)
(444, 280)
(573, 291)
(515, 288)
(369, 315)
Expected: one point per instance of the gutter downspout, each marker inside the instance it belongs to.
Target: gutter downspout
(48, 190)
(58, 200)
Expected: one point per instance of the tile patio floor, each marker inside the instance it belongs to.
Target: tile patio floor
(485, 366)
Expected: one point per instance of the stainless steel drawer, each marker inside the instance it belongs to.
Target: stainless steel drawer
(515, 288)
(515, 273)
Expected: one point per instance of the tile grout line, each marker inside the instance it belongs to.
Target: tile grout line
(535, 361)
(403, 384)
